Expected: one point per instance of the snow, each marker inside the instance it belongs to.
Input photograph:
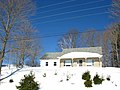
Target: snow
(80, 55)
(58, 82)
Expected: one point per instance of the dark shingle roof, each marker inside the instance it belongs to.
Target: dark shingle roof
(54, 55)
(51, 55)
(84, 49)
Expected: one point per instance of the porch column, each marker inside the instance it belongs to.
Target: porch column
(72, 62)
(100, 62)
(61, 63)
(84, 62)
(97, 62)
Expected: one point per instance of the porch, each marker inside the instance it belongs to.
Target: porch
(78, 59)
(78, 62)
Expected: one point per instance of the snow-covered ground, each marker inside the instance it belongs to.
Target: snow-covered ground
(58, 82)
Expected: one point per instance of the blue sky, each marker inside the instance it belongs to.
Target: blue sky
(59, 16)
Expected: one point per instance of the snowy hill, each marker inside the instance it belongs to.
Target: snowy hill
(56, 78)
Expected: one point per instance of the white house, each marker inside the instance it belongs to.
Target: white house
(73, 57)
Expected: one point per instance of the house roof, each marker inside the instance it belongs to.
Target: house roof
(80, 55)
(84, 49)
(55, 55)
(51, 55)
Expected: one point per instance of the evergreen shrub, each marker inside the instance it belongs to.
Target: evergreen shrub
(86, 75)
(88, 83)
(28, 83)
(97, 79)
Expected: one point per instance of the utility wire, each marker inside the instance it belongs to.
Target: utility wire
(52, 35)
(72, 6)
(57, 4)
(73, 17)
(66, 6)
(71, 12)
(50, 5)
(61, 34)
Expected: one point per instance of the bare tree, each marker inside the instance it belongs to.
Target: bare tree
(99, 38)
(69, 40)
(12, 12)
(114, 36)
(115, 10)
(34, 53)
(106, 49)
(112, 44)
(88, 38)
(24, 40)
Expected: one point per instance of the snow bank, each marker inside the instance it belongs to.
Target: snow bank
(56, 78)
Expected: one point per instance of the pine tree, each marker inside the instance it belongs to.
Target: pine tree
(28, 83)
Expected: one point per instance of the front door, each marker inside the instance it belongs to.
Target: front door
(79, 62)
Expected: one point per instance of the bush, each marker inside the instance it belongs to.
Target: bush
(11, 80)
(97, 79)
(108, 78)
(44, 75)
(86, 76)
(28, 83)
(55, 73)
(88, 83)
(61, 80)
(68, 78)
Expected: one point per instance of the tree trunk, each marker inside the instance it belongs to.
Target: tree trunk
(117, 55)
(1, 66)
(33, 63)
(3, 53)
(22, 57)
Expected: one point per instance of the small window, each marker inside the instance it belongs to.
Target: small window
(67, 62)
(90, 62)
(46, 63)
(55, 63)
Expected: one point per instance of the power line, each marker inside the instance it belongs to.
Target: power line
(53, 4)
(72, 6)
(68, 6)
(61, 34)
(53, 35)
(57, 4)
(74, 17)
(71, 12)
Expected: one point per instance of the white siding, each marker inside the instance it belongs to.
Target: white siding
(50, 63)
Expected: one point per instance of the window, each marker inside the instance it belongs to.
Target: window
(67, 62)
(55, 63)
(90, 62)
(46, 63)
